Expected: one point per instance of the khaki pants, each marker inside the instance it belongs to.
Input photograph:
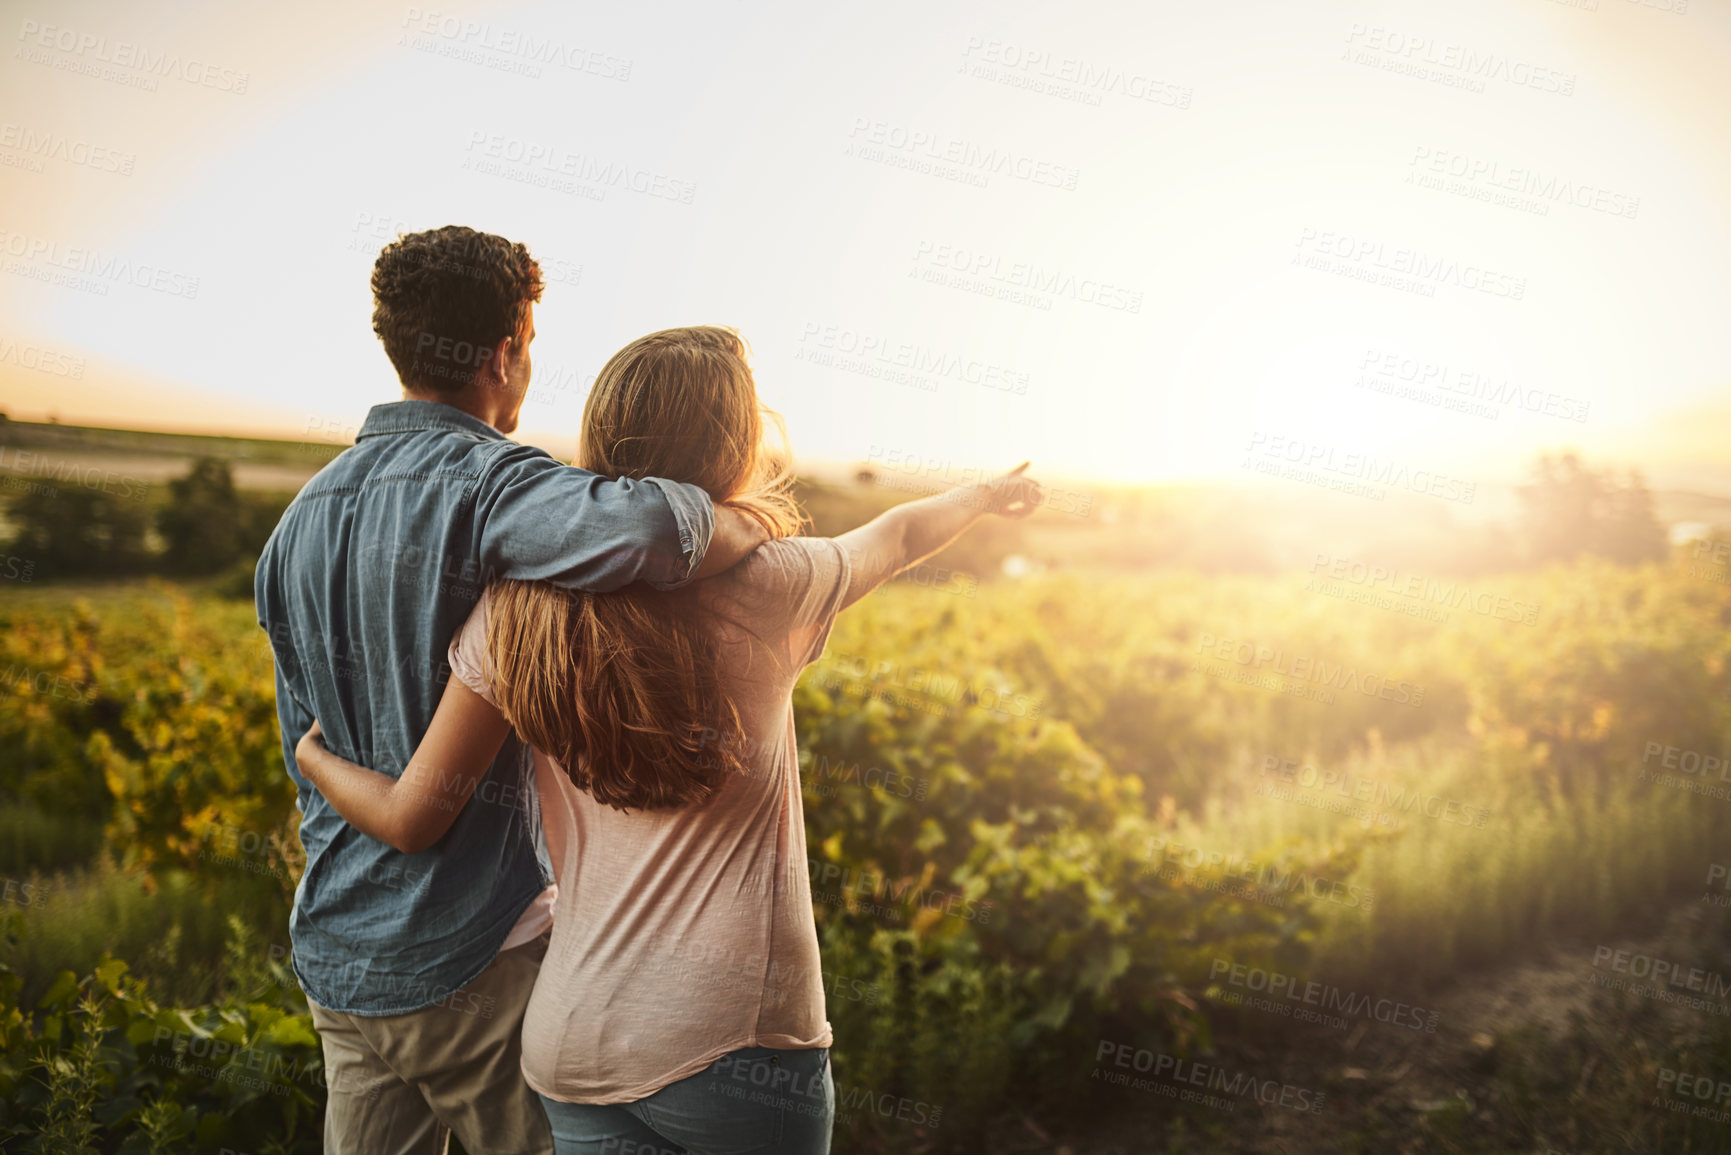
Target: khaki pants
(401, 1084)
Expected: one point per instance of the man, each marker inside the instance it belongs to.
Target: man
(418, 966)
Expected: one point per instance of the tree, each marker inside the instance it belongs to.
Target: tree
(1570, 510)
(76, 530)
(203, 524)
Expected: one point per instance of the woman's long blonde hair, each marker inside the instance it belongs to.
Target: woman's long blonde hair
(623, 688)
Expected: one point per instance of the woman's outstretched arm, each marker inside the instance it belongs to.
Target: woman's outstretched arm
(908, 534)
(414, 811)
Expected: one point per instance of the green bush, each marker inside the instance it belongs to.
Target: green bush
(204, 525)
(97, 1065)
(993, 786)
(172, 925)
(71, 531)
(994, 885)
(155, 716)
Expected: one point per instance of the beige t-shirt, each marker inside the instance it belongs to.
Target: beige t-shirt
(681, 935)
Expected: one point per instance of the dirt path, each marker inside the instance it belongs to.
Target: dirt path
(1395, 1091)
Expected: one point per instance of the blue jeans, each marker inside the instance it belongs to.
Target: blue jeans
(757, 1101)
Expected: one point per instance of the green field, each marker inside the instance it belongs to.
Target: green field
(1061, 810)
(52, 437)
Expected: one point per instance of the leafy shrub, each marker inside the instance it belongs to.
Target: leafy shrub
(203, 525)
(988, 781)
(155, 716)
(70, 530)
(97, 1065)
(986, 887)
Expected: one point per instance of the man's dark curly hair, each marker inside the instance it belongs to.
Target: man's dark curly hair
(444, 298)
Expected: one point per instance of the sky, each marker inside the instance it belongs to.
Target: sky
(1146, 241)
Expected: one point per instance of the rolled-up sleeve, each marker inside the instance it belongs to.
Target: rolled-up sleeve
(538, 520)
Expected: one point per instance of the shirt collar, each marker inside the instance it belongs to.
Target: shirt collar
(415, 416)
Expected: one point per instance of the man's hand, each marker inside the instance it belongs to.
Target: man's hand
(736, 534)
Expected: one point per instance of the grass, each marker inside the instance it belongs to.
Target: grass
(1543, 729)
(1451, 897)
(172, 927)
(33, 839)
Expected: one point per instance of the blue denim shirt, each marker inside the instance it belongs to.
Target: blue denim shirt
(372, 569)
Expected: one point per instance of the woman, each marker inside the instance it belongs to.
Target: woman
(680, 1003)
